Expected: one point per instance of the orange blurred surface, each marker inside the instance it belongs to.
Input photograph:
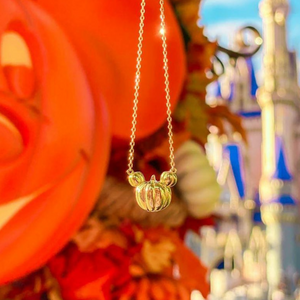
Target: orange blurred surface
(105, 36)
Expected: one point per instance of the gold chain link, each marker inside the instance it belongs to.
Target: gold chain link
(167, 84)
(137, 86)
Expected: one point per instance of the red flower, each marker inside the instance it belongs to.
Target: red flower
(83, 275)
(142, 270)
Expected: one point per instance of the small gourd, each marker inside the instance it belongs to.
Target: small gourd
(153, 195)
(197, 183)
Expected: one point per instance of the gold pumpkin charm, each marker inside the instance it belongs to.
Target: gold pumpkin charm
(153, 195)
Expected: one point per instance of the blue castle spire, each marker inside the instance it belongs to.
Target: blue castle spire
(218, 91)
(236, 163)
(284, 200)
(253, 83)
(257, 213)
(281, 172)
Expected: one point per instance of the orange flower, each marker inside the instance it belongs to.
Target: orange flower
(157, 256)
(193, 275)
(160, 288)
(87, 276)
(96, 234)
(162, 250)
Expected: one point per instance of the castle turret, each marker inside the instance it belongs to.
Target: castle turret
(279, 99)
(279, 96)
(282, 228)
(270, 260)
(237, 88)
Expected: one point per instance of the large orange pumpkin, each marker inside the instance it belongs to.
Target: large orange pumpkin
(105, 34)
(53, 135)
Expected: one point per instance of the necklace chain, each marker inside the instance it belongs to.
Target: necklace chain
(137, 86)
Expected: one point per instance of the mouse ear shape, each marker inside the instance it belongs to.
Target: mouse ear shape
(16, 64)
(136, 178)
(168, 178)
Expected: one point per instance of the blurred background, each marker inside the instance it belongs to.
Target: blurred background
(70, 226)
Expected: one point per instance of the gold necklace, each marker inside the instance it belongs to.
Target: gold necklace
(152, 195)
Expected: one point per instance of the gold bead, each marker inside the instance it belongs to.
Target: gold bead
(168, 178)
(136, 178)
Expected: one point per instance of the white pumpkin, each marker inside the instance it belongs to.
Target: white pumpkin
(197, 182)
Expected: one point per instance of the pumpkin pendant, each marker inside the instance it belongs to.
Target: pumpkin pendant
(153, 195)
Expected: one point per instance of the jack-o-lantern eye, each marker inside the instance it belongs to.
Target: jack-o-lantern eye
(14, 50)
(16, 65)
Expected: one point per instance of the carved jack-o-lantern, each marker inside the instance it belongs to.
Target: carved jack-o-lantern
(104, 33)
(53, 139)
(153, 195)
